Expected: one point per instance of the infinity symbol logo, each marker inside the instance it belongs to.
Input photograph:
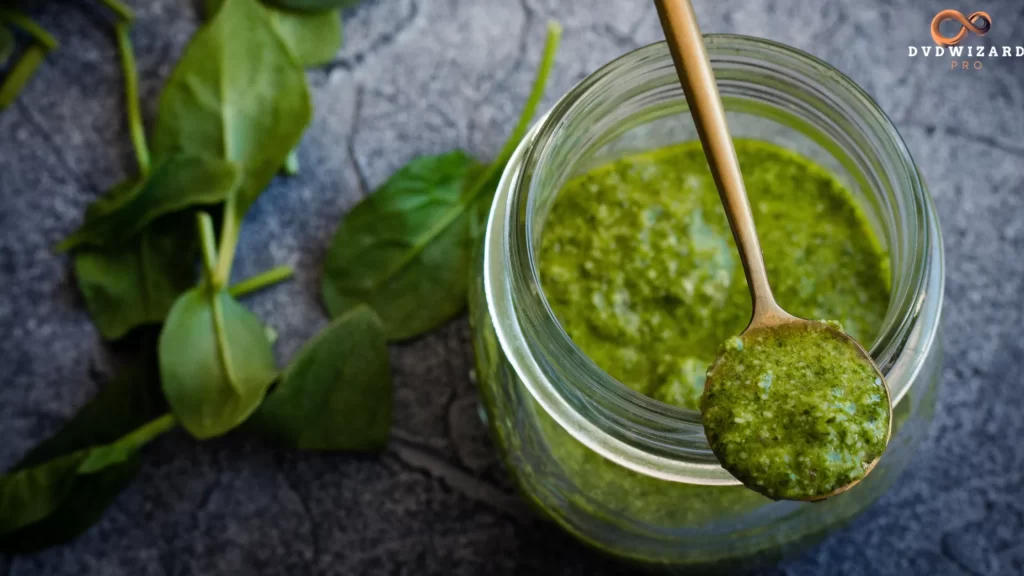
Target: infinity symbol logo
(979, 23)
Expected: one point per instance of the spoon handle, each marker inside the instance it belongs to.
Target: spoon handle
(691, 60)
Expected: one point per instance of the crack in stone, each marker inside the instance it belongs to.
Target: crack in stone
(633, 30)
(517, 64)
(984, 140)
(314, 530)
(461, 481)
(377, 551)
(418, 442)
(350, 143)
(353, 61)
(26, 114)
(621, 40)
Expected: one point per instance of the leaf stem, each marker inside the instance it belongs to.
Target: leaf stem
(152, 429)
(20, 74)
(131, 94)
(228, 240)
(44, 38)
(125, 13)
(540, 81)
(291, 163)
(208, 245)
(222, 339)
(260, 281)
(102, 456)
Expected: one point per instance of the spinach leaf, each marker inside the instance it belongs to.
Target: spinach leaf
(238, 95)
(313, 38)
(312, 5)
(130, 399)
(29, 495)
(136, 283)
(127, 402)
(177, 183)
(215, 362)
(336, 393)
(406, 249)
(7, 46)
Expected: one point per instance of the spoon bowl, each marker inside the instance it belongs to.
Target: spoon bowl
(720, 388)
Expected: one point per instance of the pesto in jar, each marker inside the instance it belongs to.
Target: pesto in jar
(638, 263)
(795, 411)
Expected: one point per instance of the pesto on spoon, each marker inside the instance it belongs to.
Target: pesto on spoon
(794, 408)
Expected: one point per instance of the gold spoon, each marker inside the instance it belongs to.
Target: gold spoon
(691, 61)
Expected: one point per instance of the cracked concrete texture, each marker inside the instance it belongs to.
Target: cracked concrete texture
(416, 77)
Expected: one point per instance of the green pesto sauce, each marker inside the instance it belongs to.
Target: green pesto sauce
(795, 412)
(638, 263)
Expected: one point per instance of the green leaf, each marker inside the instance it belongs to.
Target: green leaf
(236, 94)
(336, 393)
(7, 46)
(406, 249)
(177, 183)
(215, 362)
(68, 488)
(313, 38)
(127, 402)
(136, 283)
(312, 5)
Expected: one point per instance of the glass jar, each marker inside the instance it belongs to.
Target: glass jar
(627, 474)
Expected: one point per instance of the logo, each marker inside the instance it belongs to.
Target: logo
(979, 23)
(963, 55)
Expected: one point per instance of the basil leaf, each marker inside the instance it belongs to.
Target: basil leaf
(7, 46)
(406, 249)
(313, 38)
(236, 94)
(215, 362)
(136, 283)
(32, 495)
(175, 184)
(312, 5)
(336, 393)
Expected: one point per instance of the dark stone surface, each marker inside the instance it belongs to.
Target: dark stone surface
(425, 76)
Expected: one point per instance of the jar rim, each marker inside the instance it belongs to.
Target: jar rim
(649, 436)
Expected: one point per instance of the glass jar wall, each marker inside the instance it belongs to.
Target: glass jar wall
(622, 472)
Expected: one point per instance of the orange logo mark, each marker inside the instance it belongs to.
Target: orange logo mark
(979, 23)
